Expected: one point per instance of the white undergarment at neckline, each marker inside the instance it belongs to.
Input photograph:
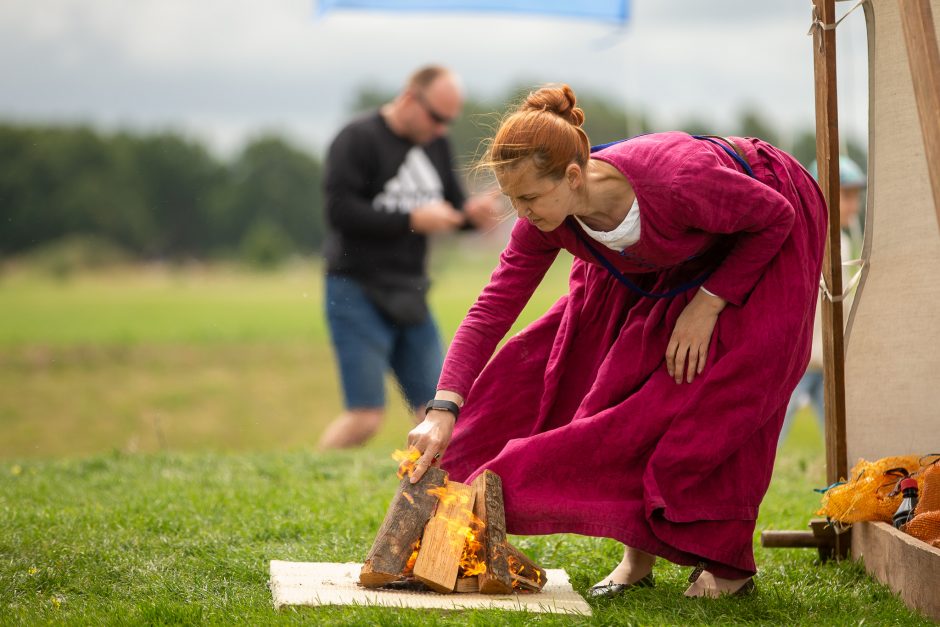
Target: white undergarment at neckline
(626, 234)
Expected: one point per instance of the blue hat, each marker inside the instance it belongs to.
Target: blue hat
(850, 175)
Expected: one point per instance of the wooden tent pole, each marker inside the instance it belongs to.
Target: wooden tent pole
(827, 161)
(924, 59)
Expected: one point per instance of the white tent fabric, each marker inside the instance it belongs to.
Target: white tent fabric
(892, 368)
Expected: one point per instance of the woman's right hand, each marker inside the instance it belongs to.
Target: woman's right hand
(431, 438)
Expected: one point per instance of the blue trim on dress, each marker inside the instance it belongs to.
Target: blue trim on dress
(620, 276)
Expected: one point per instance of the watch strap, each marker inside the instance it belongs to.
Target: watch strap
(450, 406)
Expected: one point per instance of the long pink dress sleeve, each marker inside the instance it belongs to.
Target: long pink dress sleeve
(724, 201)
(522, 266)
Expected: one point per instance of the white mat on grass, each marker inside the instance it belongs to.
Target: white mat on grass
(322, 583)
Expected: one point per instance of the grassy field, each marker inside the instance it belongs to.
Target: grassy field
(156, 453)
(151, 359)
(186, 538)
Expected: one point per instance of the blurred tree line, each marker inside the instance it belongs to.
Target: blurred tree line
(165, 196)
(159, 196)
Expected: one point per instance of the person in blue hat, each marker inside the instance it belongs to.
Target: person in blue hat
(809, 391)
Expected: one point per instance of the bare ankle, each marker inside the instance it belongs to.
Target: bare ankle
(707, 585)
(635, 565)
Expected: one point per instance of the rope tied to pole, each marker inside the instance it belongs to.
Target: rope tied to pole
(818, 26)
(849, 287)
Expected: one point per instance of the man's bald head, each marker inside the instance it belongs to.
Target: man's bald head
(429, 102)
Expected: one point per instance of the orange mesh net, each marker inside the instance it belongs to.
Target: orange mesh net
(866, 495)
(929, 489)
(926, 522)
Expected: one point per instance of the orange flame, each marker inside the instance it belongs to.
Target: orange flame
(407, 460)
(410, 566)
(518, 568)
(471, 562)
(450, 497)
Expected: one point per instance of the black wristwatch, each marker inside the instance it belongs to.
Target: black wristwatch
(450, 406)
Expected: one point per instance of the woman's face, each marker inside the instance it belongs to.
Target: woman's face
(850, 202)
(542, 200)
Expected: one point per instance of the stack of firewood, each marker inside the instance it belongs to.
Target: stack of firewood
(449, 537)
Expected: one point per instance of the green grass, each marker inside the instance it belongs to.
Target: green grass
(152, 359)
(157, 428)
(132, 306)
(187, 538)
(195, 305)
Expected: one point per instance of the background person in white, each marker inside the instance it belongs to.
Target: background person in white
(389, 183)
(810, 391)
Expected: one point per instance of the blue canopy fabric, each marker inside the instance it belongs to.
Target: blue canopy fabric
(601, 10)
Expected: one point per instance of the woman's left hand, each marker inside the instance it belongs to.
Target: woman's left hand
(688, 347)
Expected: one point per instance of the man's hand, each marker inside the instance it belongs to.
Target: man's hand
(485, 211)
(692, 335)
(436, 217)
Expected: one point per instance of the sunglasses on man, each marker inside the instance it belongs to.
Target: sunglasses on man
(434, 115)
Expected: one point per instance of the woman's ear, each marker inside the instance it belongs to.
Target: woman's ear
(574, 175)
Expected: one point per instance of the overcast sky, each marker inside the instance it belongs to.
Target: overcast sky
(227, 70)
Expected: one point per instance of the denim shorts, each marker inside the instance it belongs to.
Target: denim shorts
(367, 346)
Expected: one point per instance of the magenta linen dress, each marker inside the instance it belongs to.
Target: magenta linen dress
(577, 413)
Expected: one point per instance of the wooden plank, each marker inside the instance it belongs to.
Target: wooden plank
(909, 567)
(924, 58)
(827, 161)
(829, 541)
(488, 507)
(443, 542)
(789, 539)
(408, 513)
(468, 584)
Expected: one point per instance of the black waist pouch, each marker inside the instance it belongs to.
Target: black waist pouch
(401, 299)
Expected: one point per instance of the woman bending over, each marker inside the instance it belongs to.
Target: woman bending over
(645, 405)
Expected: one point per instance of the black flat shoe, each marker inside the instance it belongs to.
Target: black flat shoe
(611, 590)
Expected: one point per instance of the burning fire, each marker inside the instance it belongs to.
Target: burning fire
(407, 460)
(518, 568)
(449, 497)
(471, 560)
(410, 566)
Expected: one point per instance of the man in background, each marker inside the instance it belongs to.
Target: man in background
(810, 391)
(389, 184)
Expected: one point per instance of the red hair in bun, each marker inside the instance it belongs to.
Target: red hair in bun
(545, 127)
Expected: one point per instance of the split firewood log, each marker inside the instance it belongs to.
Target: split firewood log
(526, 574)
(444, 538)
(488, 507)
(404, 523)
